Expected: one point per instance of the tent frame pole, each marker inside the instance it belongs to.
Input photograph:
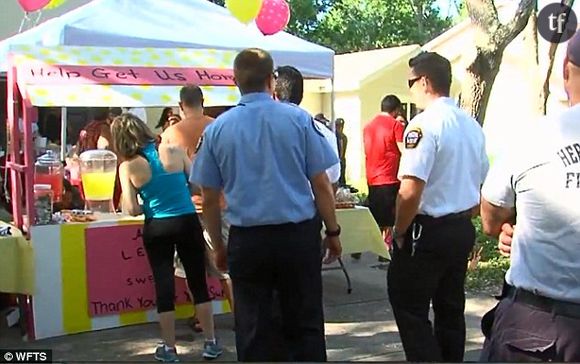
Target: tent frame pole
(63, 133)
(332, 113)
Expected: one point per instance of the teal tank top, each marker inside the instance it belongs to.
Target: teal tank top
(166, 194)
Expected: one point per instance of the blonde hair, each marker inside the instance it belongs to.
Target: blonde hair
(130, 135)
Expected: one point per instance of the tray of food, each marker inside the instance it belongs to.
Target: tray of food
(77, 216)
(344, 199)
(345, 205)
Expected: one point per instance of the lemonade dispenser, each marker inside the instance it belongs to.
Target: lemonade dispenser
(98, 172)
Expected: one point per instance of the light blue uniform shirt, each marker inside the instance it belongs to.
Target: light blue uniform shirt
(263, 153)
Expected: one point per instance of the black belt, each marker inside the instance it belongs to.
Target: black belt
(427, 220)
(557, 307)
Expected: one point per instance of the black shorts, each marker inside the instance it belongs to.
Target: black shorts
(382, 201)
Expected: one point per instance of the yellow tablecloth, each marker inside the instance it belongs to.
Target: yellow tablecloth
(360, 233)
(16, 263)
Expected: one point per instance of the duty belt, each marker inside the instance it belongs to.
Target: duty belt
(429, 221)
(557, 307)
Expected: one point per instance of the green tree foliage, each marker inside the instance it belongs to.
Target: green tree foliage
(355, 25)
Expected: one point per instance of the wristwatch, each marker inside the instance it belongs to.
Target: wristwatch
(332, 234)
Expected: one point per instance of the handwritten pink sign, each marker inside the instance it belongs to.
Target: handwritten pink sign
(119, 278)
(42, 74)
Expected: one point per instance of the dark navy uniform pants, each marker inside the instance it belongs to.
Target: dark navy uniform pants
(285, 259)
(524, 328)
(435, 273)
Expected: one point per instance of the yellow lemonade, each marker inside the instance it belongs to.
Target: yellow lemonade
(98, 186)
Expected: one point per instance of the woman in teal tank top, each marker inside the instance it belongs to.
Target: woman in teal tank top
(159, 175)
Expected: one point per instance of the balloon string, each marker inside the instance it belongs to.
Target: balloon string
(24, 19)
(38, 18)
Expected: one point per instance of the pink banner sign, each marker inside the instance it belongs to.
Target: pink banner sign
(119, 278)
(42, 74)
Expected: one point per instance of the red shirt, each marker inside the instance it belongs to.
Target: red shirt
(381, 136)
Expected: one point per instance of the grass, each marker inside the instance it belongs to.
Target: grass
(489, 274)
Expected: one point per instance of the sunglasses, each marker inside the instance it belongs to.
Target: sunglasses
(412, 81)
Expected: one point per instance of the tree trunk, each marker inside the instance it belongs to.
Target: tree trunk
(478, 82)
(493, 37)
(545, 92)
(418, 11)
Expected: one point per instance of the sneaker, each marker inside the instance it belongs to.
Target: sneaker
(212, 350)
(166, 354)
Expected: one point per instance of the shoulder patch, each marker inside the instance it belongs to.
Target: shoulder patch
(198, 146)
(413, 137)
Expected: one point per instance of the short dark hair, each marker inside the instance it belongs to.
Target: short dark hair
(434, 67)
(100, 113)
(191, 96)
(289, 85)
(320, 117)
(252, 68)
(390, 103)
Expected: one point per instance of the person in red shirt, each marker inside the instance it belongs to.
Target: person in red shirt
(383, 138)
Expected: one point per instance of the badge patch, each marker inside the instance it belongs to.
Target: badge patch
(198, 146)
(413, 138)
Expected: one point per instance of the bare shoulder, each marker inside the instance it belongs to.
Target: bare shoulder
(170, 149)
(167, 134)
(133, 165)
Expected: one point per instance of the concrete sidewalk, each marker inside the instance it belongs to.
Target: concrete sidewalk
(359, 327)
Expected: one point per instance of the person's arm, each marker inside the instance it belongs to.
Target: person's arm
(333, 172)
(415, 168)
(319, 156)
(325, 203)
(498, 197)
(408, 202)
(399, 131)
(494, 217)
(105, 140)
(401, 147)
(187, 165)
(205, 172)
(212, 216)
(504, 243)
(324, 199)
(129, 196)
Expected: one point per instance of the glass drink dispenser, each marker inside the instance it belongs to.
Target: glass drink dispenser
(98, 172)
(48, 170)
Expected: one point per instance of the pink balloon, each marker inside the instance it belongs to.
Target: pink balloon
(33, 5)
(273, 17)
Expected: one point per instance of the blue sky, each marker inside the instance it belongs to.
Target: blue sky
(447, 7)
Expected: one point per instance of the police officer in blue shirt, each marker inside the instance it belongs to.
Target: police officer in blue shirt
(269, 159)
